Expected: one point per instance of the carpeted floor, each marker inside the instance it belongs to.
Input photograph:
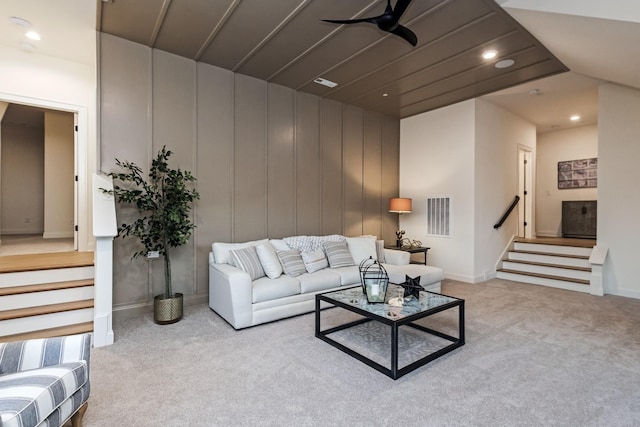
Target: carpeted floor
(534, 356)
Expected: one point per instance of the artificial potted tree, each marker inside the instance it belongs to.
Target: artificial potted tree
(163, 200)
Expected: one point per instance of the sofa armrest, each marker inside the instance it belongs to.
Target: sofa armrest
(230, 294)
(395, 257)
(20, 356)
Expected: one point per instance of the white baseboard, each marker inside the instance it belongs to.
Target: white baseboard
(629, 293)
(459, 277)
(57, 235)
(18, 231)
(548, 234)
(135, 310)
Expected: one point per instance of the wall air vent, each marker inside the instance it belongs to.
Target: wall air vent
(439, 216)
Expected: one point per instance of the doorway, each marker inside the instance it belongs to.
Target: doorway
(525, 191)
(38, 195)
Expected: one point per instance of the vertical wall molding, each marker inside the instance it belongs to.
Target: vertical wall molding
(268, 159)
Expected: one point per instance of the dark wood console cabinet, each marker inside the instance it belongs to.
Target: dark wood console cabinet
(579, 218)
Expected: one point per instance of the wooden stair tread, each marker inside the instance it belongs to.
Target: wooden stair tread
(50, 261)
(78, 328)
(16, 290)
(559, 241)
(545, 276)
(541, 264)
(519, 251)
(45, 309)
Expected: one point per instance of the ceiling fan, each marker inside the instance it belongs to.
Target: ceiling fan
(388, 21)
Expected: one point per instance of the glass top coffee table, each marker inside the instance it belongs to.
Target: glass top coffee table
(411, 310)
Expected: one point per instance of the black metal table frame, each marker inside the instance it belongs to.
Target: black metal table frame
(395, 372)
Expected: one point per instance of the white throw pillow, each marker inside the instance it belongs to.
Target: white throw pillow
(221, 250)
(279, 245)
(269, 260)
(314, 260)
(362, 248)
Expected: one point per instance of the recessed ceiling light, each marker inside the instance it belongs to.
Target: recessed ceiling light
(489, 54)
(575, 118)
(385, 94)
(32, 35)
(19, 21)
(505, 63)
(535, 92)
(325, 82)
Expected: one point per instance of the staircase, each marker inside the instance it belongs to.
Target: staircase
(46, 295)
(558, 263)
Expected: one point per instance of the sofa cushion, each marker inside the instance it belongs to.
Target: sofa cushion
(269, 260)
(292, 263)
(319, 281)
(362, 248)
(314, 260)
(428, 275)
(265, 289)
(348, 275)
(27, 398)
(338, 254)
(221, 250)
(247, 260)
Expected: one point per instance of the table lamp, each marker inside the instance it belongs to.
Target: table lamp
(399, 205)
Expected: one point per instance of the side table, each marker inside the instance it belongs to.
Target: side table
(418, 250)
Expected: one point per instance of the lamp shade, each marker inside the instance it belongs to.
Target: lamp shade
(400, 205)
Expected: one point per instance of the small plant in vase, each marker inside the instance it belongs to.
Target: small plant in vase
(163, 199)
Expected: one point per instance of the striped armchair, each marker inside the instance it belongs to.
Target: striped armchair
(44, 382)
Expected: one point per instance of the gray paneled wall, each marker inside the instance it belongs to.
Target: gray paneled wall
(270, 161)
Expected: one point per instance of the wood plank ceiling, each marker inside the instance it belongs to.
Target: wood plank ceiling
(285, 42)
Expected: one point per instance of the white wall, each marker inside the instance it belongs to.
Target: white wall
(22, 180)
(35, 79)
(553, 147)
(498, 136)
(58, 175)
(618, 194)
(468, 151)
(437, 159)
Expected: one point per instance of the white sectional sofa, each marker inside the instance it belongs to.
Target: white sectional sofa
(265, 280)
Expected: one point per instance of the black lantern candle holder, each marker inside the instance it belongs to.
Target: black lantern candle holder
(374, 280)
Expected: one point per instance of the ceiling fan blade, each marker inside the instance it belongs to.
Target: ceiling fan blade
(351, 21)
(406, 34)
(401, 6)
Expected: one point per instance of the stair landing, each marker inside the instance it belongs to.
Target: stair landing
(47, 261)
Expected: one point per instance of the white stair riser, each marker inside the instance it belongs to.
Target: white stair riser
(570, 286)
(36, 299)
(552, 271)
(45, 276)
(45, 321)
(554, 249)
(550, 259)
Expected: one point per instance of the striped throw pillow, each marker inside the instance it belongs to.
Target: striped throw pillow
(338, 254)
(292, 263)
(247, 260)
